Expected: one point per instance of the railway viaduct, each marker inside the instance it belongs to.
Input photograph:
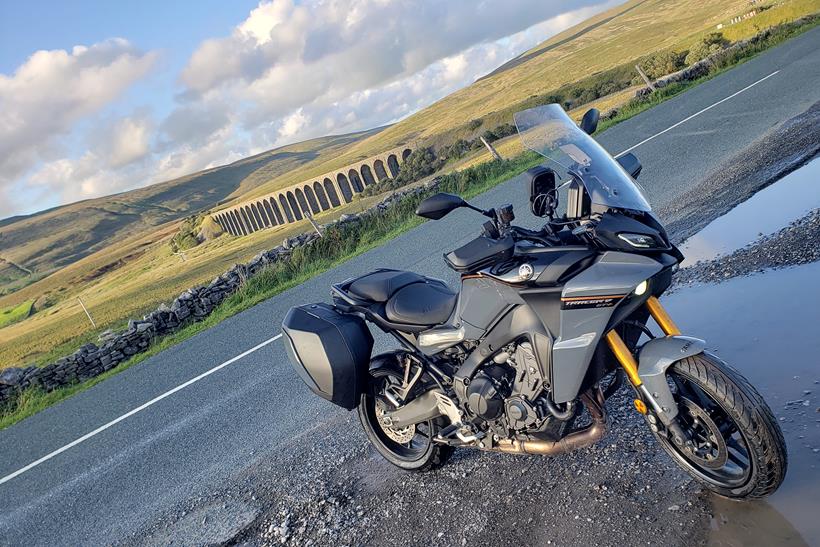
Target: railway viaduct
(292, 204)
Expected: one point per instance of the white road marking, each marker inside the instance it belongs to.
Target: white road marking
(698, 113)
(278, 336)
(138, 409)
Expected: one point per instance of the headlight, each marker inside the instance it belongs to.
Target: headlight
(639, 241)
(641, 288)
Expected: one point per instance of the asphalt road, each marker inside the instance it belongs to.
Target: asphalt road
(202, 437)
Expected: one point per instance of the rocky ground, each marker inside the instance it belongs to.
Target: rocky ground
(798, 243)
(331, 488)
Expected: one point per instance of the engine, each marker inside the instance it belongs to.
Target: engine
(509, 392)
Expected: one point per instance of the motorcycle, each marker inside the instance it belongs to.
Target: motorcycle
(546, 324)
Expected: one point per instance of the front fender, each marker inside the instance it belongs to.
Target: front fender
(655, 357)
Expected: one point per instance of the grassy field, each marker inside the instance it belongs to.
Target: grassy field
(50, 240)
(15, 314)
(630, 31)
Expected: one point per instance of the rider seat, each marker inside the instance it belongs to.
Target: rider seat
(406, 297)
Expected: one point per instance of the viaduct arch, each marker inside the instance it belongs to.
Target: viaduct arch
(311, 197)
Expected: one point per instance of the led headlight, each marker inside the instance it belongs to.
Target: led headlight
(639, 241)
(641, 288)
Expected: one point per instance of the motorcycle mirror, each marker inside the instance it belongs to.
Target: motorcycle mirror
(438, 205)
(589, 123)
(631, 164)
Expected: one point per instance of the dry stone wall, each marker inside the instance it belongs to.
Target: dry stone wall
(193, 305)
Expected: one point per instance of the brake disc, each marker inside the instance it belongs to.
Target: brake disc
(401, 435)
(710, 448)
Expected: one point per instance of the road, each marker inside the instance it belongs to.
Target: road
(200, 438)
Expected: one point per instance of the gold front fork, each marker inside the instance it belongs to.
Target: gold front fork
(622, 353)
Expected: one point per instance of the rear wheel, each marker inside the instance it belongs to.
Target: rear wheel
(411, 447)
(738, 449)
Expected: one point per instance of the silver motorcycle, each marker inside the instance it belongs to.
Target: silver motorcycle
(545, 325)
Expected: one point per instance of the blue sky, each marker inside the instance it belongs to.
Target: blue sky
(99, 97)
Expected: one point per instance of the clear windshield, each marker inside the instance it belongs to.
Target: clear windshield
(549, 131)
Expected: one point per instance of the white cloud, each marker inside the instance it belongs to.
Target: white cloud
(345, 65)
(48, 94)
(290, 71)
(129, 141)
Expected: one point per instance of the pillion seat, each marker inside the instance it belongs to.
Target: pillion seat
(407, 298)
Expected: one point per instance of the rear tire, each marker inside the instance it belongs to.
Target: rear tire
(716, 400)
(420, 453)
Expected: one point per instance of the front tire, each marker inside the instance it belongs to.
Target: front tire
(419, 452)
(739, 448)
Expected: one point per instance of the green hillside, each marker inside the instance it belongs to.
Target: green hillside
(46, 241)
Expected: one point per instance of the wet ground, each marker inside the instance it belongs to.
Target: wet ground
(768, 327)
(766, 212)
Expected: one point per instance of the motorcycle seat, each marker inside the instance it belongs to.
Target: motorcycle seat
(425, 303)
(380, 285)
(406, 297)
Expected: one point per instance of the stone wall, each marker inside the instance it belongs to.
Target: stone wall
(192, 305)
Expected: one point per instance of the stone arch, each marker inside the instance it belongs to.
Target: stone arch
(378, 167)
(269, 212)
(240, 229)
(367, 175)
(271, 220)
(276, 212)
(303, 204)
(261, 217)
(355, 180)
(331, 193)
(246, 219)
(294, 206)
(229, 227)
(283, 201)
(254, 221)
(405, 153)
(344, 186)
(321, 196)
(311, 198)
(393, 165)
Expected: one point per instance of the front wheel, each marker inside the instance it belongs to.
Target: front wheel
(738, 450)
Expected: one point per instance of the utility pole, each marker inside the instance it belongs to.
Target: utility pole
(646, 79)
(93, 324)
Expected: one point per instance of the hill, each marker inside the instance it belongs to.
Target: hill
(49, 240)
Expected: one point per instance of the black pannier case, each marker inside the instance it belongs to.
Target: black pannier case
(329, 350)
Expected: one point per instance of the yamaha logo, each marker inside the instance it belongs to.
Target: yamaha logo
(525, 271)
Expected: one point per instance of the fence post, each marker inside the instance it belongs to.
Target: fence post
(313, 223)
(646, 79)
(491, 148)
(93, 324)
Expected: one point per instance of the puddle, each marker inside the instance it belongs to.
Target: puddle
(764, 213)
(762, 326)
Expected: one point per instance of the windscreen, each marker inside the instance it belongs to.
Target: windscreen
(549, 131)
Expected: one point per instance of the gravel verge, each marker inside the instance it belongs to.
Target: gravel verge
(777, 153)
(798, 243)
(329, 487)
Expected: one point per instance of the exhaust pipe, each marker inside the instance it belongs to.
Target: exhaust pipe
(579, 439)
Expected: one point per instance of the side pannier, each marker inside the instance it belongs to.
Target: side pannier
(329, 350)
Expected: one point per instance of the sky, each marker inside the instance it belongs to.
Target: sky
(99, 97)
